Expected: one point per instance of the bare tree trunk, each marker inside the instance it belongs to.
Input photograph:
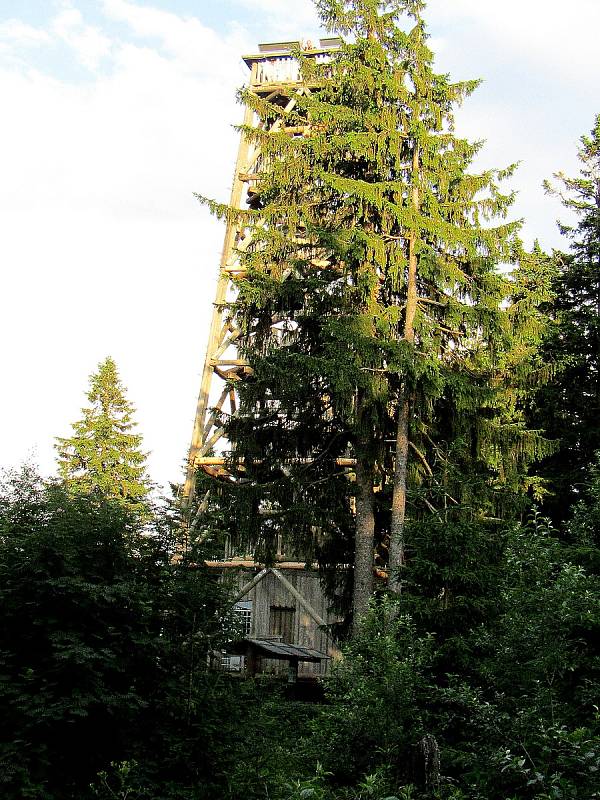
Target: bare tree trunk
(397, 539)
(364, 542)
(397, 543)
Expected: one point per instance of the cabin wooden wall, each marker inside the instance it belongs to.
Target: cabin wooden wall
(269, 593)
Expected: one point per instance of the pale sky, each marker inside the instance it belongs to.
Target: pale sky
(113, 112)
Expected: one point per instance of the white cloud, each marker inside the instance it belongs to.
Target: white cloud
(195, 47)
(286, 20)
(107, 250)
(13, 31)
(561, 36)
(88, 43)
(17, 40)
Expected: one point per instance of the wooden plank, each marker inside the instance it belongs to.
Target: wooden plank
(233, 362)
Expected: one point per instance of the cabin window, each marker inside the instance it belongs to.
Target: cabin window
(281, 622)
(243, 612)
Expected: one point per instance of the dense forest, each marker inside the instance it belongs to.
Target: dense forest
(458, 372)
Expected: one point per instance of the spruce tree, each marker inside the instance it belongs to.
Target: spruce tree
(372, 304)
(569, 406)
(103, 457)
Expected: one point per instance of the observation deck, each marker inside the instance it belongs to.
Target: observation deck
(276, 64)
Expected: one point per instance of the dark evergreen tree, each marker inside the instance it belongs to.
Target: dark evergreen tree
(569, 406)
(583, 528)
(103, 647)
(103, 455)
(498, 668)
(79, 636)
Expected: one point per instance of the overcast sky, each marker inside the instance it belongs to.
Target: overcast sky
(113, 112)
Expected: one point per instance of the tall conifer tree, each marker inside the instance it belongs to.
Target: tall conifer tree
(104, 456)
(375, 250)
(569, 406)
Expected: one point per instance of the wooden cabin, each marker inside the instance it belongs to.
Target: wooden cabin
(284, 603)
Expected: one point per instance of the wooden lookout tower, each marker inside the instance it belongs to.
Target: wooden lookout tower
(283, 602)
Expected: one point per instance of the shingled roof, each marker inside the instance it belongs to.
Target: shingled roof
(275, 648)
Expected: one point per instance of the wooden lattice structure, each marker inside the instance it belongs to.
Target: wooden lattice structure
(274, 76)
(286, 604)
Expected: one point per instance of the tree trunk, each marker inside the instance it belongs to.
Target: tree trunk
(397, 541)
(364, 542)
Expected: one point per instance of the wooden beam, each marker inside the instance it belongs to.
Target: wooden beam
(202, 509)
(219, 461)
(295, 593)
(227, 342)
(209, 442)
(225, 331)
(213, 417)
(251, 584)
(240, 563)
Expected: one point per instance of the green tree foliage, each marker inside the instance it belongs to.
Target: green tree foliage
(103, 645)
(583, 529)
(528, 366)
(103, 455)
(569, 407)
(373, 714)
(78, 639)
(503, 680)
(372, 304)
(531, 727)
(452, 584)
